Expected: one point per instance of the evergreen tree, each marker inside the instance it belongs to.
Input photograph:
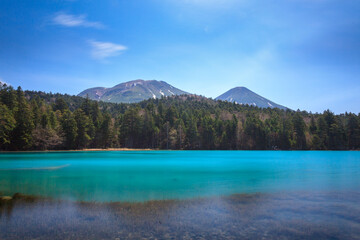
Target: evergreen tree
(70, 129)
(192, 135)
(22, 134)
(60, 105)
(130, 128)
(353, 132)
(312, 127)
(36, 120)
(299, 132)
(8, 96)
(322, 133)
(255, 132)
(7, 125)
(208, 134)
(106, 132)
(84, 127)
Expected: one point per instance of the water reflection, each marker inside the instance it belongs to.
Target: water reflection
(306, 215)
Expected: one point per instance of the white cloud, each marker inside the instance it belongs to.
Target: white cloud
(75, 21)
(101, 50)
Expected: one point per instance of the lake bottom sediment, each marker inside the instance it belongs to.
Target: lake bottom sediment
(288, 215)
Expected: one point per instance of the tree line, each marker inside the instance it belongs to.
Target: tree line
(44, 121)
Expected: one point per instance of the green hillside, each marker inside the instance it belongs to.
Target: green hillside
(39, 121)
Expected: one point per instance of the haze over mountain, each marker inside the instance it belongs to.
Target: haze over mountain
(242, 95)
(133, 91)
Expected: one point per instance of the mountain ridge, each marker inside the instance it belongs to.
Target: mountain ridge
(132, 91)
(138, 90)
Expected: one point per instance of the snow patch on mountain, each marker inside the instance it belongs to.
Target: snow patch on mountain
(153, 95)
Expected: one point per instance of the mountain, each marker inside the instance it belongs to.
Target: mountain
(133, 91)
(242, 95)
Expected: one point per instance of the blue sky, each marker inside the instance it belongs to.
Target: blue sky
(304, 54)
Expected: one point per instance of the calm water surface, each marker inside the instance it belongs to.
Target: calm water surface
(181, 195)
(158, 175)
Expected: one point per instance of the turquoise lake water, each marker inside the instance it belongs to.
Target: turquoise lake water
(156, 175)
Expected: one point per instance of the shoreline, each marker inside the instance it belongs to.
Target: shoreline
(157, 149)
(86, 150)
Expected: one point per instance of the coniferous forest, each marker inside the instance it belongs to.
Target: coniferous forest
(45, 121)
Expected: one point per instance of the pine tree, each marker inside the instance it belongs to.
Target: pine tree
(7, 125)
(353, 132)
(299, 131)
(192, 135)
(60, 105)
(106, 131)
(130, 128)
(70, 129)
(83, 123)
(22, 134)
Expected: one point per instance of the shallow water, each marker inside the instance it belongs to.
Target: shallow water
(310, 215)
(157, 175)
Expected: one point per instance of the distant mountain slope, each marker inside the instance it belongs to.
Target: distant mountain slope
(242, 95)
(133, 91)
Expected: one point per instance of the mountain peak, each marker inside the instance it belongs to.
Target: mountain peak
(241, 87)
(132, 91)
(243, 95)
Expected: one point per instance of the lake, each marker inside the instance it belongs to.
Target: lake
(181, 194)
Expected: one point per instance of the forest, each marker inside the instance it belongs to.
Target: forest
(45, 121)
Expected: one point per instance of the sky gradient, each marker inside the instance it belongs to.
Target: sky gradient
(303, 54)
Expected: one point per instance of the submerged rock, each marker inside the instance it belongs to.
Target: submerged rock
(5, 198)
(26, 198)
